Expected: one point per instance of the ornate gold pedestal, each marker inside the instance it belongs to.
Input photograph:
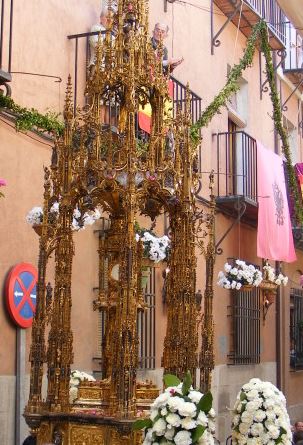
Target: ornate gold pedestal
(86, 429)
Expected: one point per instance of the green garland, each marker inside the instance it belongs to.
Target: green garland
(260, 33)
(28, 119)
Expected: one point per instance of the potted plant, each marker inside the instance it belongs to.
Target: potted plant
(239, 276)
(271, 281)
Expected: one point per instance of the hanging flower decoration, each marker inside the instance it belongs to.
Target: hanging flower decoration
(75, 379)
(180, 415)
(241, 274)
(260, 416)
(35, 217)
(269, 274)
(155, 248)
(2, 184)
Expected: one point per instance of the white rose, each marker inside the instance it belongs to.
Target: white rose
(259, 415)
(183, 438)
(273, 431)
(188, 423)
(160, 401)
(187, 409)
(173, 419)
(174, 403)
(170, 434)
(247, 417)
(244, 427)
(159, 427)
(257, 429)
(195, 396)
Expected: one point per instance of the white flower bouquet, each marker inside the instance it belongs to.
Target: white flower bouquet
(260, 416)
(35, 216)
(269, 274)
(155, 248)
(180, 416)
(234, 277)
(75, 379)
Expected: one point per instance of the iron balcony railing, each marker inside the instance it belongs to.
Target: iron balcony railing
(6, 29)
(236, 165)
(294, 49)
(271, 12)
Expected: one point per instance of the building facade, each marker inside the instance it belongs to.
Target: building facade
(39, 49)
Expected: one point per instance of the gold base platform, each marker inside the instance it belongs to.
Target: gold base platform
(85, 429)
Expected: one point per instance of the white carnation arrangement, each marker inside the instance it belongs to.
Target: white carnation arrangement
(180, 416)
(155, 248)
(270, 275)
(75, 379)
(234, 277)
(260, 416)
(35, 216)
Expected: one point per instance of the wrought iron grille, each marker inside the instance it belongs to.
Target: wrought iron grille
(146, 325)
(236, 165)
(245, 313)
(296, 328)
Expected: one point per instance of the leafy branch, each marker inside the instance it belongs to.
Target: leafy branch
(28, 119)
(259, 34)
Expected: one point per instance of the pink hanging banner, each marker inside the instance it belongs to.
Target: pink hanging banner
(274, 238)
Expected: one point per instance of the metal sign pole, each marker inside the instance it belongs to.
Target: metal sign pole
(20, 384)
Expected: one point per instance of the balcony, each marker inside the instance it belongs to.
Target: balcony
(293, 63)
(237, 175)
(247, 14)
(6, 27)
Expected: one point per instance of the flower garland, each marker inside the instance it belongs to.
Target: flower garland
(27, 119)
(35, 217)
(180, 415)
(2, 184)
(75, 379)
(259, 32)
(234, 277)
(260, 416)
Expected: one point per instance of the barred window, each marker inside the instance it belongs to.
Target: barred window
(296, 328)
(146, 325)
(245, 315)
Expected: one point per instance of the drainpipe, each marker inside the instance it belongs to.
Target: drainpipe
(277, 267)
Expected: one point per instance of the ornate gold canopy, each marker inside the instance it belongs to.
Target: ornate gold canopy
(104, 161)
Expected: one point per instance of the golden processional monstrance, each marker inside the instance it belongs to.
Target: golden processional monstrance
(97, 164)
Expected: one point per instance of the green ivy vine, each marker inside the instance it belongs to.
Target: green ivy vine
(259, 35)
(29, 119)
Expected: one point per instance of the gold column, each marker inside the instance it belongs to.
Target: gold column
(181, 341)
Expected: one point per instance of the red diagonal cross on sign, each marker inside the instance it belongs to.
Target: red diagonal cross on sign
(26, 294)
(21, 309)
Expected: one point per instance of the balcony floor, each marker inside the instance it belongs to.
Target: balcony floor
(229, 205)
(249, 18)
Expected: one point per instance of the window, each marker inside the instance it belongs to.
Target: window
(292, 134)
(245, 314)
(296, 328)
(146, 325)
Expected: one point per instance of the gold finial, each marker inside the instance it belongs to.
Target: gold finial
(68, 106)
